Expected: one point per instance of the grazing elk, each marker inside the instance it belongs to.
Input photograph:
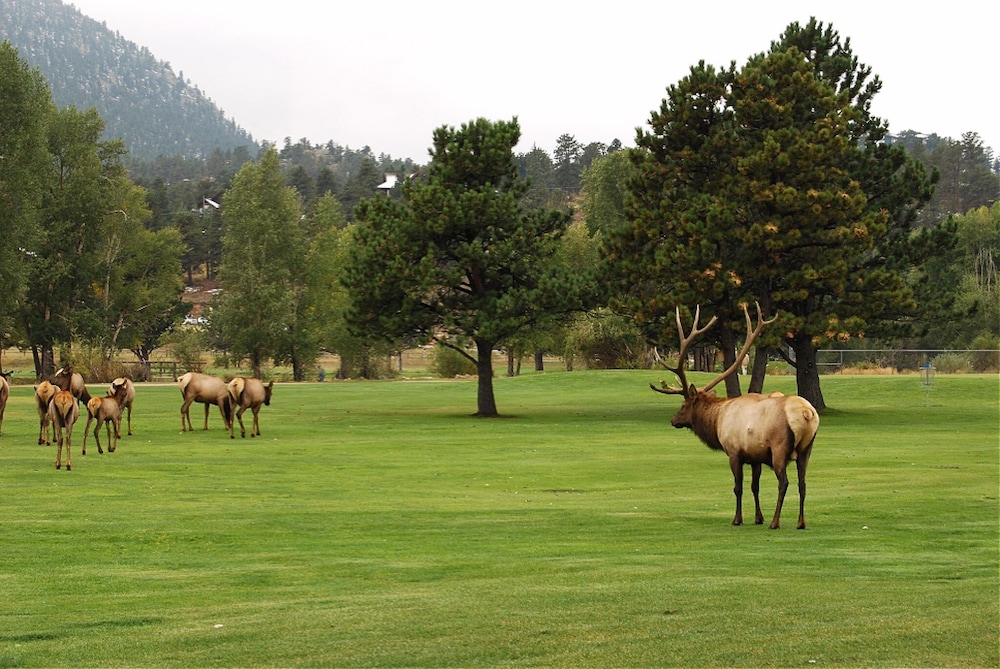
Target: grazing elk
(66, 379)
(4, 394)
(126, 401)
(107, 411)
(44, 392)
(63, 412)
(248, 393)
(207, 390)
(752, 429)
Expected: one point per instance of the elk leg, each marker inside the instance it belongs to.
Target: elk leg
(239, 417)
(69, 465)
(737, 467)
(758, 518)
(206, 415)
(255, 432)
(782, 474)
(801, 463)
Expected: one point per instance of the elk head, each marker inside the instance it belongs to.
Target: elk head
(692, 395)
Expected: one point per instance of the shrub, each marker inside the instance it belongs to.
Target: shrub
(449, 363)
(986, 357)
(951, 363)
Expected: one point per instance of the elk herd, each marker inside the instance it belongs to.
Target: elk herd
(752, 429)
(63, 399)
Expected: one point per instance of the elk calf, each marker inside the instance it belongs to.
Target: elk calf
(107, 411)
(754, 429)
(63, 411)
(128, 394)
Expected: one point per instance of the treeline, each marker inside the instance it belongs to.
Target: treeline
(96, 243)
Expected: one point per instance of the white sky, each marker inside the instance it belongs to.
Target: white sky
(386, 74)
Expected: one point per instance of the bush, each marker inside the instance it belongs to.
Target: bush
(951, 363)
(449, 363)
(986, 357)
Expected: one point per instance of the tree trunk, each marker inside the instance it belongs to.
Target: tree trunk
(487, 406)
(759, 370)
(510, 361)
(539, 361)
(728, 358)
(807, 371)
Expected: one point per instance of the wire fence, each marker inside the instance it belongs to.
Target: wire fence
(910, 360)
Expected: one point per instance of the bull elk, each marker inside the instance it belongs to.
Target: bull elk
(753, 429)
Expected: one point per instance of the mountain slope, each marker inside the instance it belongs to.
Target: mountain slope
(140, 98)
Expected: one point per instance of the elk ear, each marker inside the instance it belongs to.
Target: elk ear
(692, 391)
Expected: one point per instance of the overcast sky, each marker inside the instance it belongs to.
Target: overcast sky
(386, 74)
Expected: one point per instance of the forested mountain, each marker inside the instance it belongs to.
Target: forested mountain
(140, 98)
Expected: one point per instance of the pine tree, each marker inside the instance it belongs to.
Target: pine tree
(458, 258)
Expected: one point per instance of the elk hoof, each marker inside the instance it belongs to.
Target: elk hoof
(737, 521)
(775, 526)
(68, 468)
(58, 466)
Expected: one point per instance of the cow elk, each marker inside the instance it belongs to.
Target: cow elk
(63, 412)
(66, 379)
(205, 389)
(4, 394)
(754, 429)
(248, 393)
(44, 392)
(106, 411)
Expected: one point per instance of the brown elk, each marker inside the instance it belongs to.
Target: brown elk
(44, 392)
(248, 393)
(126, 399)
(66, 379)
(4, 394)
(753, 429)
(63, 412)
(107, 411)
(205, 389)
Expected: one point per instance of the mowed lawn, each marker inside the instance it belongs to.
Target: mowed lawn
(378, 524)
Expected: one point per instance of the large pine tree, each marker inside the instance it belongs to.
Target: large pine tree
(458, 258)
(769, 183)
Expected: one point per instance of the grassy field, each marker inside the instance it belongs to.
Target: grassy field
(377, 524)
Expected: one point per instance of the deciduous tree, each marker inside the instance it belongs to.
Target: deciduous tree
(263, 244)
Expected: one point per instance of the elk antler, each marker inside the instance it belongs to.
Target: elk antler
(682, 355)
(752, 334)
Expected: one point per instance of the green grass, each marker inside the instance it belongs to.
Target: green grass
(378, 524)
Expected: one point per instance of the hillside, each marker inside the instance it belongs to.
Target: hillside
(140, 98)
